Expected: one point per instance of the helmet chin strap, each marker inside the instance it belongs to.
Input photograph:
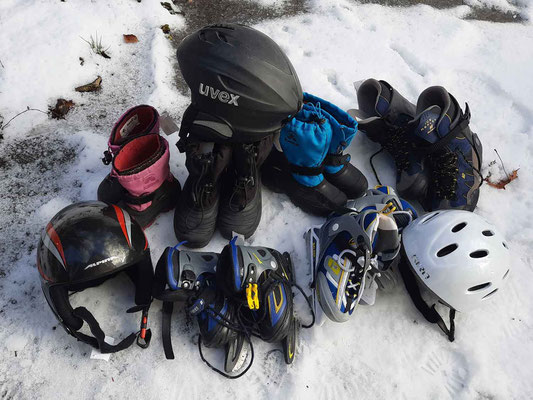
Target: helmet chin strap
(430, 313)
(98, 340)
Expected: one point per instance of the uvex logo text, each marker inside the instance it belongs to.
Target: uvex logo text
(218, 94)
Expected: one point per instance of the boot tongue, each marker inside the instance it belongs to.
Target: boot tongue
(383, 100)
(427, 123)
(374, 98)
(436, 111)
(139, 153)
(244, 164)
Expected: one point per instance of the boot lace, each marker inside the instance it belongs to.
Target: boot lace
(445, 172)
(397, 146)
(201, 191)
(244, 184)
(348, 261)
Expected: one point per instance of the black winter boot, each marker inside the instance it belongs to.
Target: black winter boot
(196, 213)
(240, 208)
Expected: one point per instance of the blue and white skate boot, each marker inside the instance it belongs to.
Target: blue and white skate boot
(340, 254)
(386, 242)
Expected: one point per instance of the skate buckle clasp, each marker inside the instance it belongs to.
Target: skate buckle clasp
(252, 296)
(388, 209)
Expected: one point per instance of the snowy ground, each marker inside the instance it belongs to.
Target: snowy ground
(385, 351)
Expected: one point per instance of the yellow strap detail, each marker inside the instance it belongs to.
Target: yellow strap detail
(252, 296)
(289, 350)
(249, 297)
(255, 296)
(257, 258)
(388, 209)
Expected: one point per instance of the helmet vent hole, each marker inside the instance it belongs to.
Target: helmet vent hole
(262, 252)
(222, 37)
(490, 294)
(488, 233)
(430, 217)
(458, 227)
(479, 254)
(505, 245)
(447, 250)
(506, 274)
(479, 287)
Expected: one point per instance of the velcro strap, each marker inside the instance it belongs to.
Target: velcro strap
(308, 171)
(336, 160)
(98, 341)
(168, 307)
(138, 200)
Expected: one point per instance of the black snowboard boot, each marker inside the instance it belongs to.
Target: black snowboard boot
(453, 152)
(240, 207)
(384, 115)
(196, 213)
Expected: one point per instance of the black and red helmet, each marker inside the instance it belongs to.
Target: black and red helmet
(84, 245)
(243, 86)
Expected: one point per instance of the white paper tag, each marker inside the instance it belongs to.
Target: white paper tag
(129, 125)
(96, 355)
(357, 84)
(167, 124)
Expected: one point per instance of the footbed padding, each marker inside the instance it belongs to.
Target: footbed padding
(146, 117)
(136, 152)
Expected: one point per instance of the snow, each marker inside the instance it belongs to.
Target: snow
(385, 351)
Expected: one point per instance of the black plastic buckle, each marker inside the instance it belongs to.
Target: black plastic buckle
(108, 157)
(197, 307)
(145, 335)
(182, 145)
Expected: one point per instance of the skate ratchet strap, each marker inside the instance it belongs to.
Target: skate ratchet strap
(252, 296)
(430, 313)
(464, 120)
(98, 341)
(388, 209)
(336, 160)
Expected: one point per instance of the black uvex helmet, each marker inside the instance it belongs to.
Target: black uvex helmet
(243, 87)
(84, 245)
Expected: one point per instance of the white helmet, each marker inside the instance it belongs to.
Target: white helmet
(458, 256)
